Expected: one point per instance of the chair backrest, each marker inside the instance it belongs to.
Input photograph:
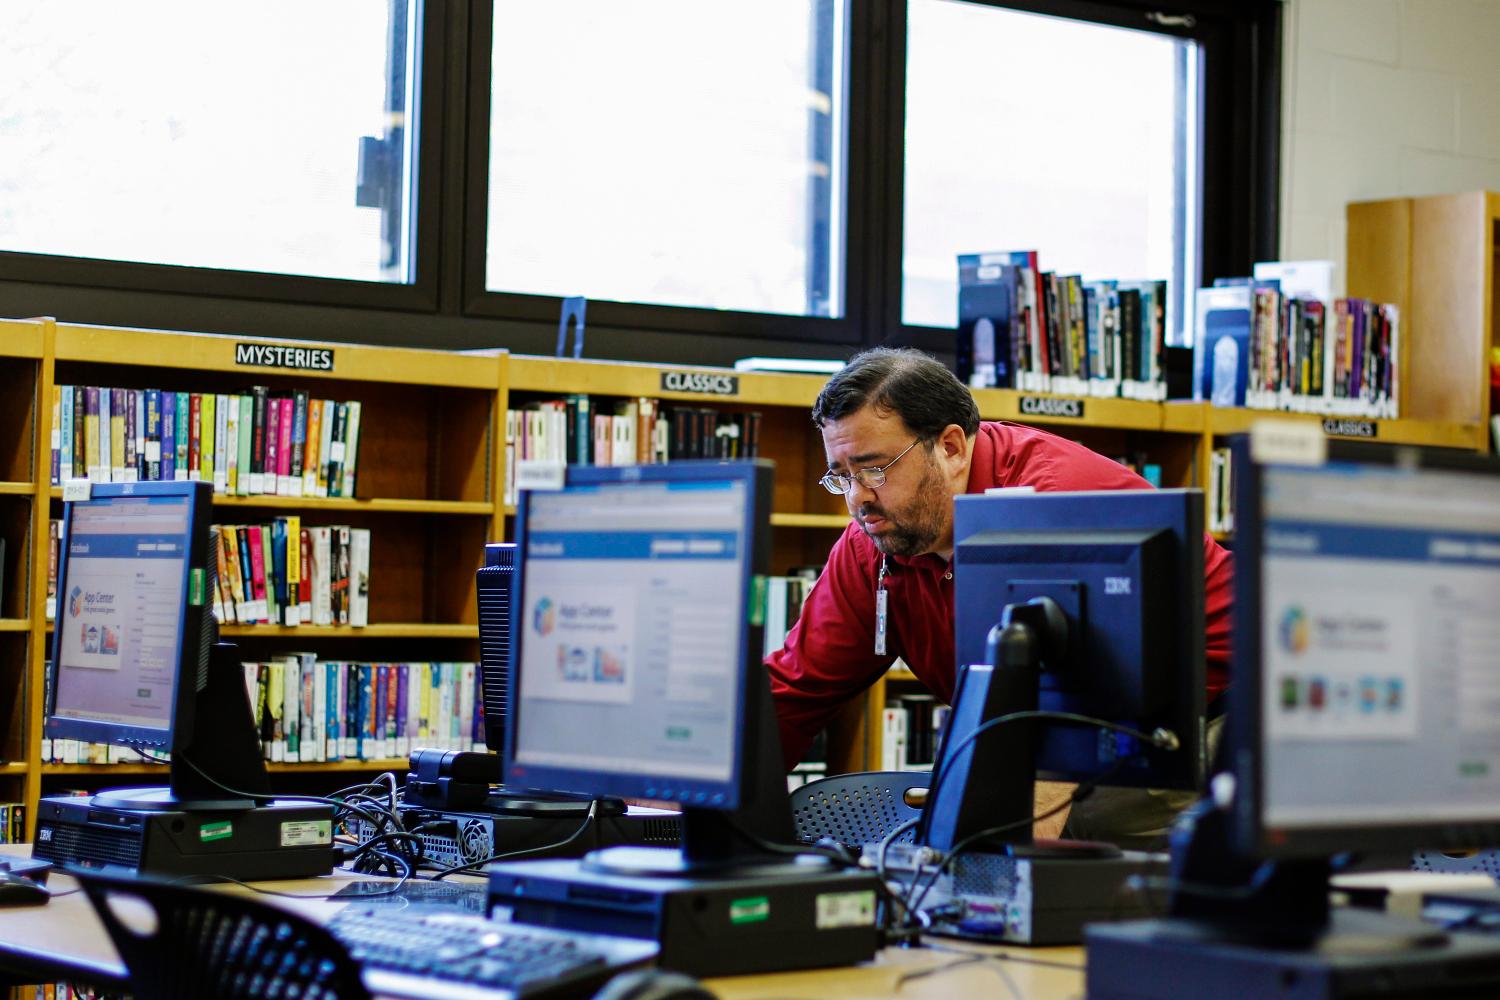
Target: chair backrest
(1463, 862)
(856, 809)
(184, 943)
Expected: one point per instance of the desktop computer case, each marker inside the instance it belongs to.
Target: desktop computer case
(283, 840)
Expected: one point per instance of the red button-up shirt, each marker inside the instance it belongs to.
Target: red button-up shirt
(829, 654)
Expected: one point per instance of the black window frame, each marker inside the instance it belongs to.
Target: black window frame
(448, 306)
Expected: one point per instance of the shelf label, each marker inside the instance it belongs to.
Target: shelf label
(1287, 442)
(318, 359)
(77, 489)
(1338, 427)
(532, 474)
(706, 382)
(1052, 406)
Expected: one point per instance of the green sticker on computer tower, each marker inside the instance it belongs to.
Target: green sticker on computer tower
(215, 831)
(195, 586)
(750, 911)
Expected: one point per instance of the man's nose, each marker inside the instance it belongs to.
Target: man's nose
(859, 494)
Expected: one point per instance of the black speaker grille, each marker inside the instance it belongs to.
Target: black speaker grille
(496, 582)
(90, 845)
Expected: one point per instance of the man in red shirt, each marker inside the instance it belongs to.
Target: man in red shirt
(903, 437)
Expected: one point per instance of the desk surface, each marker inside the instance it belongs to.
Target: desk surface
(65, 936)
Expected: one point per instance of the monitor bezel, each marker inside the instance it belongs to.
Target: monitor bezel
(730, 793)
(1246, 726)
(178, 732)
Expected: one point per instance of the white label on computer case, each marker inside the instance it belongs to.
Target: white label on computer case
(306, 833)
(846, 909)
(538, 475)
(76, 489)
(1287, 442)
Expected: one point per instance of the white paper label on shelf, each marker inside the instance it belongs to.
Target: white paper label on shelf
(1287, 442)
(532, 474)
(76, 489)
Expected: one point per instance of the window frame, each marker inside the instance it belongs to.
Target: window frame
(225, 283)
(1241, 68)
(447, 305)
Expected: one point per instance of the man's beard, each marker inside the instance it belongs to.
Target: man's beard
(917, 527)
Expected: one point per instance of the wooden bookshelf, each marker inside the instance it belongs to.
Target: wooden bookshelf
(428, 487)
(432, 469)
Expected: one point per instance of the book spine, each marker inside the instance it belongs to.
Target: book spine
(133, 435)
(293, 609)
(298, 447)
(335, 468)
(116, 463)
(229, 406)
(257, 571)
(325, 445)
(195, 436)
(351, 449)
(284, 447)
(359, 577)
(153, 434)
(257, 439)
(311, 450)
(304, 594)
(403, 698)
(291, 710)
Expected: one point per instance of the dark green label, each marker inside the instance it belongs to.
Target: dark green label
(195, 586)
(215, 831)
(750, 911)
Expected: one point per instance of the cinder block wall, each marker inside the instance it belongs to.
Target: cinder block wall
(1382, 99)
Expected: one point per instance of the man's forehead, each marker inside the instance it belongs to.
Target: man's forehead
(862, 442)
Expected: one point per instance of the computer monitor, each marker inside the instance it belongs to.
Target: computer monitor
(1087, 603)
(135, 663)
(636, 672)
(634, 668)
(1362, 718)
(1367, 654)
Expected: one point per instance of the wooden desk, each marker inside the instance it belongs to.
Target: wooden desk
(63, 939)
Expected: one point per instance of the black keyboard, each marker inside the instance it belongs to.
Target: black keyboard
(449, 954)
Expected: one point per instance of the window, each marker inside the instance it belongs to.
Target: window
(1028, 132)
(268, 136)
(672, 152)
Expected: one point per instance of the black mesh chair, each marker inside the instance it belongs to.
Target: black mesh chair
(184, 943)
(857, 809)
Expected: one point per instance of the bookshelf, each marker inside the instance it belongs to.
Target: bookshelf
(428, 488)
(1436, 259)
(431, 485)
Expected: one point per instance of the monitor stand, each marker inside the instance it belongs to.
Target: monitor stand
(1240, 929)
(723, 903)
(210, 820)
(1007, 886)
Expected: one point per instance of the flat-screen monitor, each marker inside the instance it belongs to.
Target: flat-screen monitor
(134, 617)
(1367, 657)
(631, 656)
(1120, 576)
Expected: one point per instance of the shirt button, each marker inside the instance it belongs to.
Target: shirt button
(948, 575)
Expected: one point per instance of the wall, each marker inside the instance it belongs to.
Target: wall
(1383, 98)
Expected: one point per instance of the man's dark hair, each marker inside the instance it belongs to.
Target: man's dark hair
(906, 382)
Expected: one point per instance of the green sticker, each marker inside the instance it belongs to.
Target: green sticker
(195, 586)
(757, 609)
(215, 831)
(750, 911)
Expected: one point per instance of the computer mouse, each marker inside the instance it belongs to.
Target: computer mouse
(653, 984)
(16, 890)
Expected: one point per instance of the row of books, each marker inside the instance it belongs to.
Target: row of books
(581, 430)
(280, 573)
(1279, 341)
(12, 823)
(1020, 327)
(911, 727)
(1220, 492)
(275, 573)
(60, 991)
(310, 710)
(785, 596)
(251, 443)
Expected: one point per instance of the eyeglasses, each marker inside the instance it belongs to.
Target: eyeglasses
(870, 479)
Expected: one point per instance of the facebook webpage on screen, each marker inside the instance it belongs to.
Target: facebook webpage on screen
(120, 614)
(632, 629)
(1381, 646)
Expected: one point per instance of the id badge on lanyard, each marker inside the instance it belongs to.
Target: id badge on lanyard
(881, 604)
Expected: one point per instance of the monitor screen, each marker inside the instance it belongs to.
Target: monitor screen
(1379, 647)
(120, 619)
(632, 642)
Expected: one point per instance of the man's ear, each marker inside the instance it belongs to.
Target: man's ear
(952, 447)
